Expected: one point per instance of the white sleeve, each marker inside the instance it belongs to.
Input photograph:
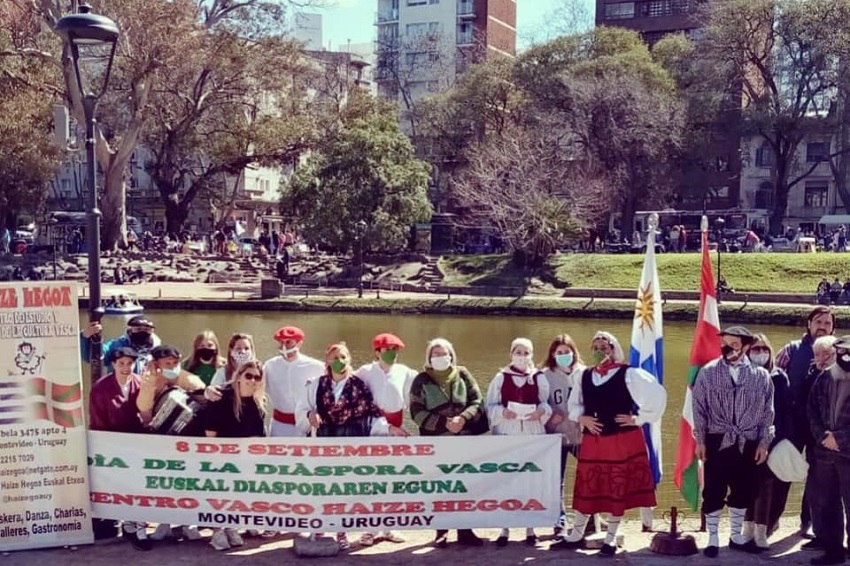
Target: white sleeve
(495, 409)
(380, 427)
(218, 377)
(543, 397)
(649, 395)
(575, 404)
(306, 404)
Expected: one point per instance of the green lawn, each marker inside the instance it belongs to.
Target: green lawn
(777, 272)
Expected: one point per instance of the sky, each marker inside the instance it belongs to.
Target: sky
(354, 20)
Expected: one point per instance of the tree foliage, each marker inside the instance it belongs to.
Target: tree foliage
(366, 172)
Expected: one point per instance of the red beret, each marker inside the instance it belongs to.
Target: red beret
(386, 341)
(289, 333)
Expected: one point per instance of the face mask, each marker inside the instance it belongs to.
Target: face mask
(139, 339)
(598, 356)
(389, 356)
(441, 363)
(206, 354)
(520, 362)
(337, 366)
(760, 359)
(241, 357)
(843, 362)
(564, 360)
(288, 351)
(729, 353)
(171, 373)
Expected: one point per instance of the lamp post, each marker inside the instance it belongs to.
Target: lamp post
(719, 224)
(92, 40)
(361, 231)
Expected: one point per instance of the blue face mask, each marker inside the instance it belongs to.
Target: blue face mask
(171, 373)
(564, 361)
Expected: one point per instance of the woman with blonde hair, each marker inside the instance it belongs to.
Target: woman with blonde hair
(340, 404)
(205, 359)
(240, 350)
(240, 413)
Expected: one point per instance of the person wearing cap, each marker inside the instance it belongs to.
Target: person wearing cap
(389, 381)
(517, 404)
(287, 376)
(611, 402)
(112, 407)
(139, 335)
(829, 419)
(445, 400)
(796, 359)
(733, 428)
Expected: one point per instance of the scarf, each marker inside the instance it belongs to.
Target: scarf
(602, 369)
(355, 401)
(444, 378)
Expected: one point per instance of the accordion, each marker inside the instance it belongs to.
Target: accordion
(177, 413)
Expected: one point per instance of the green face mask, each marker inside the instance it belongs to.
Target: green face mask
(389, 356)
(337, 366)
(598, 356)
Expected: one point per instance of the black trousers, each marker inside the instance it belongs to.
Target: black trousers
(731, 476)
(832, 477)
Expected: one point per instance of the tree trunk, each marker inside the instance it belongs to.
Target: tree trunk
(780, 204)
(176, 213)
(114, 220)
(841, 172)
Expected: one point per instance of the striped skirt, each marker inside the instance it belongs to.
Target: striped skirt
(613, 474)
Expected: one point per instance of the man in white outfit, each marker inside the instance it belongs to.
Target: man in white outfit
(287, 376)
(389, 382)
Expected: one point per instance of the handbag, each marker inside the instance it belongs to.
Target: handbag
(787, 463)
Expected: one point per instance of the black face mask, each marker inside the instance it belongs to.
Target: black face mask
(207, 354)
(843, 364)
(140, 339)
(730, 354)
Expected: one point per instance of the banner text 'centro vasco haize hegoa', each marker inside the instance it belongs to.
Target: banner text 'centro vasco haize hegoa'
(44, 494)
(320, 484)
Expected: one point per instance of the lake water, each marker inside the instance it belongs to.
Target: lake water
(482, 345)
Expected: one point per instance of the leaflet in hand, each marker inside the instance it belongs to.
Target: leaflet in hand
(522, 410)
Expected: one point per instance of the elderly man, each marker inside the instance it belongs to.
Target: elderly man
(796, 358)
(733, 422)
(829, 418)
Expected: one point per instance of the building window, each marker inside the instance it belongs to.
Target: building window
(65, 189)
(464, 34)
(416, 2)
(656, 8)
(764, 195)
(416, 29)
(434, 28)
(620, 11)
(817, 152)
(765, 156)
(434, 1)
(816, 195)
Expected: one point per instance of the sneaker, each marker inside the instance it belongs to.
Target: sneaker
(233, 537)
(162, 532)
(392, 536)
(191, 532)
(608, 550)
(139, 539)
(219, 540)
(368, 539)
(342, 541)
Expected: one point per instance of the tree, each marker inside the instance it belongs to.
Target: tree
(784, 55)
(367, 172)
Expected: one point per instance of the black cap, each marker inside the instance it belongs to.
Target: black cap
(738, 331)
(125, 352)
(843, 342)
(140, 320)
(161, 352)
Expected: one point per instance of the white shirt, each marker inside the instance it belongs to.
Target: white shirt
(649, 395)
(219, 377)
(307, 404)
(495, 409)
(391, 390)
(286, 385)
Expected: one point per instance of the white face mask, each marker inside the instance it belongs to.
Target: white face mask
(242, 357)
(441, 363)
(288, 351)
(520, 361)
(760, 359)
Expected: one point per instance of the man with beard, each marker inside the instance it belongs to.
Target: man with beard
(829, 418)
(796, 359)
(139, 336)
(733, 422)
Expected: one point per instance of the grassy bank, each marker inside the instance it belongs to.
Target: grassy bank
(767, 272)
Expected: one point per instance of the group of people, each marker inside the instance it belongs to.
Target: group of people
(749, 408)
(833, 293)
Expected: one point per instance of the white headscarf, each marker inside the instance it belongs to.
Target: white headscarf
(525, 342)
(443, 343)
(612, 340)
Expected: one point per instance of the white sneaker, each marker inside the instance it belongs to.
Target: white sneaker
(162, 531)
(233, 537)
(219, 540)
(191, 533)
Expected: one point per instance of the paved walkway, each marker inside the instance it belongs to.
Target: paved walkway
(415, 552)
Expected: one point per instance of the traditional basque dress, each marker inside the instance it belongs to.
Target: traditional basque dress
(391, 390)
(613, 472)
(346, 407)
(526, 388)
(286, 384)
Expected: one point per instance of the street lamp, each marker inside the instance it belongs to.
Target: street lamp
(92, 40)
(361, 231)
(719, 224)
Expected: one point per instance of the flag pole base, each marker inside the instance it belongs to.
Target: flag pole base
(669, 544)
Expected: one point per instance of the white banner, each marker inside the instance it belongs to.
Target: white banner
(44, 494)
(327, 484)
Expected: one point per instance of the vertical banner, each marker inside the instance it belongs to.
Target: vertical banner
(327, 484)
(44, 493)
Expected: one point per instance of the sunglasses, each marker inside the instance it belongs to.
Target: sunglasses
(253, 377)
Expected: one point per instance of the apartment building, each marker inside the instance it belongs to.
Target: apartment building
(652, 18)
(422, 45)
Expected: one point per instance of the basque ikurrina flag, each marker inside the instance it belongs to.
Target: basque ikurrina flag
(706, 347)
(647, 346)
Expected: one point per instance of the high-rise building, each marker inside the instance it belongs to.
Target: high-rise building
(422, 45)
(307, 28)
(652, 18)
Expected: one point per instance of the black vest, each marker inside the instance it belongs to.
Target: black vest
(604, 402)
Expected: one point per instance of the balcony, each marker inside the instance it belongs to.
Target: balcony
(388, 17)
(465, 10)
(387, 45)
